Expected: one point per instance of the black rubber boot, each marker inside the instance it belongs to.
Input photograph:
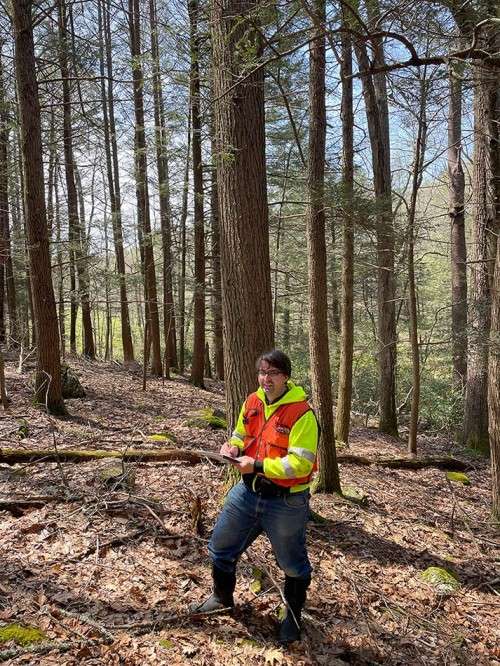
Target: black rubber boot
(295, 595)
(222, 596)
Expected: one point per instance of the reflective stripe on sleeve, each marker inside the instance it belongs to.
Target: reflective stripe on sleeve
(289, 471)
(303, 453)
(237, 435)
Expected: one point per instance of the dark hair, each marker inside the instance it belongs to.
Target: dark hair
(277, 359)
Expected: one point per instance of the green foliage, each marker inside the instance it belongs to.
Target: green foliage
(21, 635)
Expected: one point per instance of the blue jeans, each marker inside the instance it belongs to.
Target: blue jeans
(246, 515)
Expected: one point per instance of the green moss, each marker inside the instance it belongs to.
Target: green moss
(161, 437)
(166, 644)
(256, 584)
(21, 635)
(442, 580)
(207, 418)
(248, 641)
(355, 495)
(458, 477)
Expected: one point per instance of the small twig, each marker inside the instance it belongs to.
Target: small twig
(266, 571)
(85, 619)
(160, 622)
(41, 648)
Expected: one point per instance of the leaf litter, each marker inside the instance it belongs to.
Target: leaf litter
(109, 573)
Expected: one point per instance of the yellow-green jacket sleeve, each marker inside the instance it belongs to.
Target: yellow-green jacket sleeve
(239, 431)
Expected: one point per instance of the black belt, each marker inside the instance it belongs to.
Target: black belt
(259, 485)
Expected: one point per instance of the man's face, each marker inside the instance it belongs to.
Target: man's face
(272, 381)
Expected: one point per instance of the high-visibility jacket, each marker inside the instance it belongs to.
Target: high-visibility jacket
(283, 435)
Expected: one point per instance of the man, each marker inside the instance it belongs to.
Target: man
(274, 448)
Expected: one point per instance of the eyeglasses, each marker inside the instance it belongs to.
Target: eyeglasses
(270, 373)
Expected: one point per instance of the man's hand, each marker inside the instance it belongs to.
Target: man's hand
(228, 450)
(245, 465)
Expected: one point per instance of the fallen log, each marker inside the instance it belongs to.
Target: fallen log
(440, 462)
(193, 456)
(20, 456)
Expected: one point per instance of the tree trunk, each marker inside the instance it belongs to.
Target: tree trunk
(377, 114)
(216, 269)
(494, 383)
(241, 179)
(60, 268)
(113, 172)
(494, 351)
(182, 277)
(141, 179)
(328, 476)
(6, 248)
(198, 359)
(48, 374)
(456, 188)
(417, 175)
(4, 197)
(75, 225)
(165, 210)
(483, 194)
(344, 396)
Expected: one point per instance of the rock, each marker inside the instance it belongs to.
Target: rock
(118, 477)
(442, 580)
(355, 495)
(207, 418)
(71, 387)
(21, 635)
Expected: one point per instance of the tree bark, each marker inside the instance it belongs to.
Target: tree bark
(141, 179)
(328, 475)
(112, 170)
(241, 179)
(182, 276)
(198, 358)
(75, 225)
(494, 384)
(416, 178)
(48, 373)
(483, 194)
(344, 396)
(165, 209)
(218, 344)
(494, 350)
(456, 189)
(377, 114)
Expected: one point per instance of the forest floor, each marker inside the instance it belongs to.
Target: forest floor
(109, 574)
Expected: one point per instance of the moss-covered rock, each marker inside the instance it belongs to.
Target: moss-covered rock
(458, 477)
(207, 418)
(355, 495)
(21, 635)
(118, 477)
(162, 437)
(71, 386)
(442, 580)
